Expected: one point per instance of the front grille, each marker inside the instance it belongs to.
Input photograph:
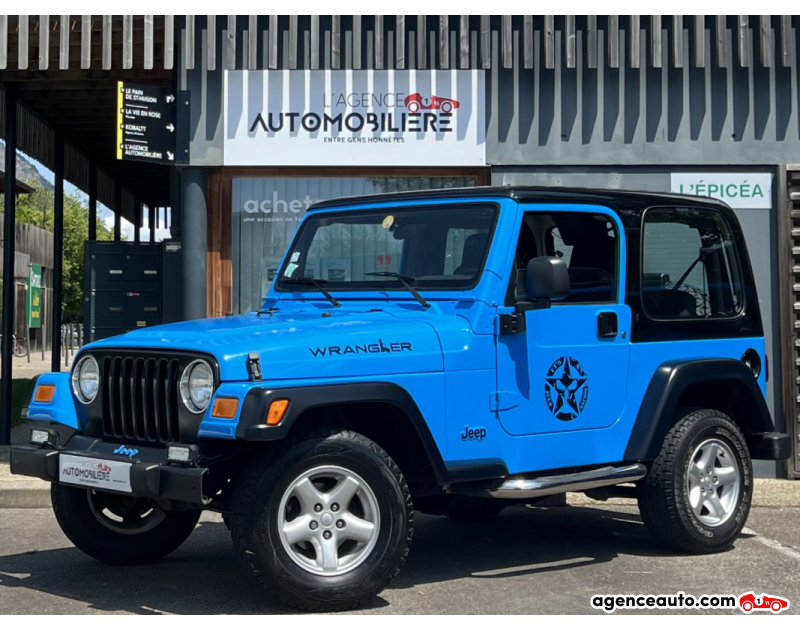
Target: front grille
(140, 398)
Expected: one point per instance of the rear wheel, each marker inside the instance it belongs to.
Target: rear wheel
(326, 524)
(20, 347)
(118, 529)
(698, 491)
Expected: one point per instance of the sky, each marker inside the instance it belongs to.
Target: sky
(106, 215)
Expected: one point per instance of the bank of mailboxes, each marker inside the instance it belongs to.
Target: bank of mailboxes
(125, 285)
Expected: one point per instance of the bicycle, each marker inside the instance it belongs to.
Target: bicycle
(18, 346)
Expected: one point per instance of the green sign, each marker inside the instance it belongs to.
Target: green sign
(34, 302)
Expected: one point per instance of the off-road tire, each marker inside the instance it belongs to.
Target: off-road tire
(255, 517)
(87, 533)
(663, 499)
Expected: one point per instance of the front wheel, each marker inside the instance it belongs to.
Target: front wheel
(326, 524)
(118, 529)
(697, 495)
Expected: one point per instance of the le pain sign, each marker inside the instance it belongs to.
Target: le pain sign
(146, 123)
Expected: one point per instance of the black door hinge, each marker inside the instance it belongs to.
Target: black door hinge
(512, 324)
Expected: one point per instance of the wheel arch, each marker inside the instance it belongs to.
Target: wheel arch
(401, 429)
(724, 384)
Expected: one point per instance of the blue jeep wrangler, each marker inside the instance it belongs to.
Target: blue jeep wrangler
(453, 352)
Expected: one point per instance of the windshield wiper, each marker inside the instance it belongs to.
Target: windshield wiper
(316, 282)
(406, 280)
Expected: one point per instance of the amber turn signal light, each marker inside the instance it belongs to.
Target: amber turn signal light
(225, 407)
(44, 393)
(277, 410)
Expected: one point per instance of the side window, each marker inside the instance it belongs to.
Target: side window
(689, 268)
(589, 245)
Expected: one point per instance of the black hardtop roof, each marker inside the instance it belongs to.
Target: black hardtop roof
(628, 200)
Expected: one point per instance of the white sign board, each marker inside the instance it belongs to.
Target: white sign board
(738, 190)
(95, 473)
(354, 118)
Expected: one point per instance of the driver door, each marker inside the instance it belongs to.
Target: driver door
(567, 368)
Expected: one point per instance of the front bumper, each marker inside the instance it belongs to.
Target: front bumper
(772, 446)
(150, 475)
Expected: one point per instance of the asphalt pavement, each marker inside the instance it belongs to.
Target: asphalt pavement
(527, 560)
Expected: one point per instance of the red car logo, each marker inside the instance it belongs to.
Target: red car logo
(749, 602)
(416, 102)
(102, 467)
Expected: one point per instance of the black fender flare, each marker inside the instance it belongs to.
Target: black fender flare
(657, 412)
(252, 425)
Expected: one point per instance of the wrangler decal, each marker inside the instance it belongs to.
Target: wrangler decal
(370, 348)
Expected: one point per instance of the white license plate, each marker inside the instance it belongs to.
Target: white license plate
(95, 473)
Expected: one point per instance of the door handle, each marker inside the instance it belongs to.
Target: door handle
(607, 326)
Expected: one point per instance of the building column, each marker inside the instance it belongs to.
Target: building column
(117, 211)
(194, 241)
(92, 200)
(9, 220)
(58, 258)
(175, 205)
(137, 220)
(151, 221)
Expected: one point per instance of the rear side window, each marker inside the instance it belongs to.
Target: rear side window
(689, 265)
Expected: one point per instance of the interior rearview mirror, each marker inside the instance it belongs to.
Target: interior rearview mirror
(547, 278)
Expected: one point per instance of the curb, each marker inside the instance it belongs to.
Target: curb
(24, 494)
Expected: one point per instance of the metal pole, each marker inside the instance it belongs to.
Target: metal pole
(58, 245)
(117, 211)
(137, 220)
(92, 201)
(43, 324)
(6, 367)
(151, 221)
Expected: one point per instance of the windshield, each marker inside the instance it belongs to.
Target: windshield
(433, 248)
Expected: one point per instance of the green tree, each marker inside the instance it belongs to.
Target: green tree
(36, 209)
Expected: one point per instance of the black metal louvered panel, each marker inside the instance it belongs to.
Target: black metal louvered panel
(791, 333)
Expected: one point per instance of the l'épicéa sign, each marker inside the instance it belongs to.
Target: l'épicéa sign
(738, 190)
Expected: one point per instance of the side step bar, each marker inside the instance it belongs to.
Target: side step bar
(517, 487)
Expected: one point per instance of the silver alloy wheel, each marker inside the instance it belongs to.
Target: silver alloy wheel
(125, 515)
(713, 482)
(328, 520)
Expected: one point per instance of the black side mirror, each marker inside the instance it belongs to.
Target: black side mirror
(547, 278)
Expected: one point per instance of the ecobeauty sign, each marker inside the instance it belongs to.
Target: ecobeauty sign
(354, 118)
(738, 190)
(33, 306)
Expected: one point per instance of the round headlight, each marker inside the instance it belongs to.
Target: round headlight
(86, 379)
(197, 386)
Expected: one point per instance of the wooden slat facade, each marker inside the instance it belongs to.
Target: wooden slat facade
(82, 56)
(307, 44)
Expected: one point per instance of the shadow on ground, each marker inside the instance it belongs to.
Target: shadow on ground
(204, 576)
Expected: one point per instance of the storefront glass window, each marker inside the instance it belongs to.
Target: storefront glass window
(267, 211)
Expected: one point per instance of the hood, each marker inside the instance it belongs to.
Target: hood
(299, 344)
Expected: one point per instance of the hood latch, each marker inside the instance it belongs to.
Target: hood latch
(254, 366)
